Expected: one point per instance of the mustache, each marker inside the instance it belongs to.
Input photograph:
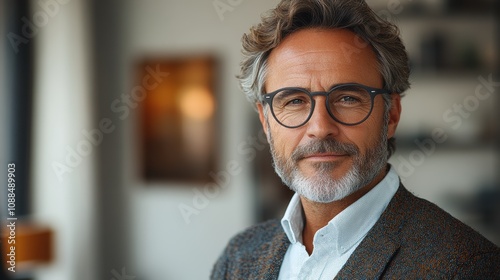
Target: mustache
(324, 146)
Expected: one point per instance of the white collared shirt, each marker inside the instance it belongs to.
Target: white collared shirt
(334, 243)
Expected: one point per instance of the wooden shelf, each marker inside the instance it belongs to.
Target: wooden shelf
(34, 244)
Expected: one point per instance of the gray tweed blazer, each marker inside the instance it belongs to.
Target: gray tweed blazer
(413, 239)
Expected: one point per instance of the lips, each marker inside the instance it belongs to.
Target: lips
(324, 156)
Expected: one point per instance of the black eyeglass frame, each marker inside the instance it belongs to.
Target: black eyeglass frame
(268, 98)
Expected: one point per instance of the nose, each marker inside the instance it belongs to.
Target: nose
(321, 125)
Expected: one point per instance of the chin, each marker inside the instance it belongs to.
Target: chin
(323, 188)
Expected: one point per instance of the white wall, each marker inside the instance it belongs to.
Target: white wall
(61, 111)
(165, 247)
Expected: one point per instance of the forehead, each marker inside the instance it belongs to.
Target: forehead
(312, 57)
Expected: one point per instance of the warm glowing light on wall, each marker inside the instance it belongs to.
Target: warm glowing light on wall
(196, 103)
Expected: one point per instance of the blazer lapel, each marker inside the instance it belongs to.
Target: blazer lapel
(373, 255)
(369, 260)
(270, 258)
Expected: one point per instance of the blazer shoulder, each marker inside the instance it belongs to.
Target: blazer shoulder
(429, 235)
(255, 236)
(416, 239)
(432, 223)
(255, 251)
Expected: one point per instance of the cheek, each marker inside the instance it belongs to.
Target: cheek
(285, 140)
(366, 135)
(375, 128)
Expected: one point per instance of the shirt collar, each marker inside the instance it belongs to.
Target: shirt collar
(293, 220)
(352, 224)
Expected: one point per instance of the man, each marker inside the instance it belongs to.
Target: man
(326, 77)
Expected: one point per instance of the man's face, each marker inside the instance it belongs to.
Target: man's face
(324, 160)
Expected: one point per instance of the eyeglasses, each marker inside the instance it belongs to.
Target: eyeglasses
(348, 104)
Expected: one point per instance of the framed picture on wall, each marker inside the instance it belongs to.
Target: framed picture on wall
(178, 119)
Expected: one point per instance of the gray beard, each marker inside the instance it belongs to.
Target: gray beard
(321, 187)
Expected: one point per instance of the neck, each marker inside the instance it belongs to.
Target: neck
(317, 215)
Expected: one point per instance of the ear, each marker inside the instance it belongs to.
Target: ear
(262, 117)
(394, 115)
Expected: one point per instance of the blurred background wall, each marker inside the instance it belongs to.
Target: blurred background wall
(72, 122)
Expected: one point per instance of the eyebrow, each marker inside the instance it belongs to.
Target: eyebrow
(340, 84)
(332, 86)
(309, 90)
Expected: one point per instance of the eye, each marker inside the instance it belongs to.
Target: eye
(291, 99)
(349, 96)
(296, 101)
(349, 99)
